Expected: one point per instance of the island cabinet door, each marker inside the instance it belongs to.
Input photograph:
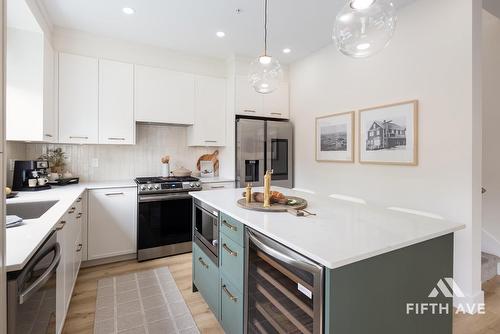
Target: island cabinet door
(231, 308)
(206, 278)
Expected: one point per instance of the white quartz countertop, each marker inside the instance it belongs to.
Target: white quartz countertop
(24, 240)
(340, 234)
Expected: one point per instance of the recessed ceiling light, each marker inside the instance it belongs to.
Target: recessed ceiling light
(128, 10)
(361, 4)
(287, 50)
(220, 34)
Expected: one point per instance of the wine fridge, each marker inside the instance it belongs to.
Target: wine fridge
(283, 290)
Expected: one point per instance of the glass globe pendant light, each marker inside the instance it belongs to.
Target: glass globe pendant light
(265, 72)
(364, 27)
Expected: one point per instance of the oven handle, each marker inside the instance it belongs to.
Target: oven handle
(166, 197)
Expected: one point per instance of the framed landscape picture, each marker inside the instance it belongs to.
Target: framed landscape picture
(335, 137)
(389, 134)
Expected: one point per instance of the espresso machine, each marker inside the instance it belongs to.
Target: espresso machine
(30, 175)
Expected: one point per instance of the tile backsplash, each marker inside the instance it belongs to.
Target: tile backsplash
(122, 162)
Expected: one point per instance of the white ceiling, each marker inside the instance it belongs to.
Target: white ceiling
(190, 25)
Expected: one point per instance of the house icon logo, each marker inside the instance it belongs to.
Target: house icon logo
(447, 287)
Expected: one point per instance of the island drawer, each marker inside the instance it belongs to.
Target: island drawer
(232, 228)
(231, 259)
(231, 310)
(206, 278)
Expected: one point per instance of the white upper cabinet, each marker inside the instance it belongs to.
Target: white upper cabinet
(251, 103)
(276, 104)
(209, 127)
(116, 103)
(248, 101)
(30, 112)
(164, 96)
(78, 99)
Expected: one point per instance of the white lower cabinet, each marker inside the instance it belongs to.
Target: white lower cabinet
(69, 237)
(112, 221)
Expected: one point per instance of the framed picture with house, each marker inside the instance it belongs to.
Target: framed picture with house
(335, 137)
(389, 134)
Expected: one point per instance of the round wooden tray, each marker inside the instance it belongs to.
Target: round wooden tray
(275, 207)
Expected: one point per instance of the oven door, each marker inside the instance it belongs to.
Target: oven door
(206, 229)
(165, 225)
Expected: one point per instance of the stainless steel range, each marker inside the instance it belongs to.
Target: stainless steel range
(164, 215)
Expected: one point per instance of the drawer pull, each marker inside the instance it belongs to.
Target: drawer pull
(229, 294)
(79, 215)
(72, 210)
(276, 113)
(249, 110)
(114, 194)
(203, 262)
(79, 200)
(116, 138)
(210, 141)
(79, 249)
(78, 137)
(218, 187)
(229, 250)
(60, 226)
(229, 226)
(48, 135)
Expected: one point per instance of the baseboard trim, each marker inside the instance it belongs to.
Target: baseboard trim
(98, 262)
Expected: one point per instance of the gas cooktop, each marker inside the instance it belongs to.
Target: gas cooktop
(161, 185)
(161, 179)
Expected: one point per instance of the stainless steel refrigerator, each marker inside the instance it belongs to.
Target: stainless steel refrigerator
(263, 145)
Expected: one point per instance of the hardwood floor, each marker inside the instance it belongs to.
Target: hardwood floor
(488, 323)
(80, 318)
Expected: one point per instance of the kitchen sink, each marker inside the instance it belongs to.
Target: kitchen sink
(29, 210)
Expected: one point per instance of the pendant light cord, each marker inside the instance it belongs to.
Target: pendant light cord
(265, 27)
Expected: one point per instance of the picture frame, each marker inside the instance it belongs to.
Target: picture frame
(388, 134)
(334, 135)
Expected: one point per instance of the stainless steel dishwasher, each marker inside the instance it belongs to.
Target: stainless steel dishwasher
(31, 292)
(283, 289)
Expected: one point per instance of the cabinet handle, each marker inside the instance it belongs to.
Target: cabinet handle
(80, 246)
(72, 210)
(276, 113)
(203, 262)
(48, 135)
(79, 200)
(227, 249)
(229, 294)
(60, 226)
(78, 137)
(114, 194)
(217, 187)
(79, 215)
(116, 138)
(210, 141)
(231, 227)
(249, 110)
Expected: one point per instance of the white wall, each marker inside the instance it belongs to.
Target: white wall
(431, 59)
(491, 121)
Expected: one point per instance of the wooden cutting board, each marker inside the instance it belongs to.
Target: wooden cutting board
(275, 207)
(209, 157)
